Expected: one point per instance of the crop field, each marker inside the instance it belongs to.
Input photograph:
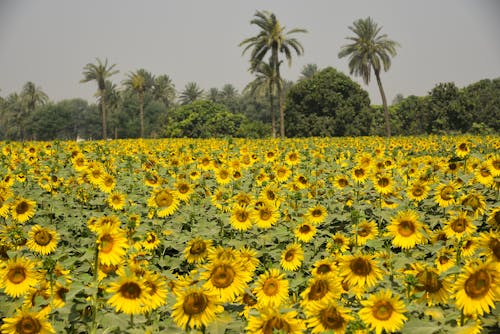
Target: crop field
(313, 235)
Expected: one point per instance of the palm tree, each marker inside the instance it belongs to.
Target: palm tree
(370, 50)
(140, 81)
(272, 38)
(265, 83)
(191, 93)
(164, 90)
(31, 97)
(100, 73)
(308, 71)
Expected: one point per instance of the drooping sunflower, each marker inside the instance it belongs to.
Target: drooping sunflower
(327, 316)
(477, 288)
(197, 250)
(406, 230)
(320, 288)
(112, 243)
(366, 230)
(240, 218)
(292, 257)
(195, 307)
(26, 321)
(316, 214)
(274, 321)
(459, 225)
(226, 279)
(265, 214)
(42, 240)
(116, 201)
(17, 276)
(165, 201)
(445, 194)
(271, 289)
(305, 232)
(130, 295)
(23, 209)
(383, 312)
(360, 270)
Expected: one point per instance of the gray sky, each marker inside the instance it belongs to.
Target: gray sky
(49, 42)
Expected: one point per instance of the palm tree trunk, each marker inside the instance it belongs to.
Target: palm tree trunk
(141, 111)
(280, 98)
(384, 103)
(104, 119)
(273, 114)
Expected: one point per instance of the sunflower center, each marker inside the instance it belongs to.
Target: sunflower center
(318, 290)
(429, 281)
(382, 310)
(359, 172)
(317, 213)
(331, 318)
(446, 193)
(248, 299)
(223, 174)
(42, 237)
(106, 243)
(459, 225)
(406, 228)
(164, 199)
(360, 267)
(130, 290)
(242, 216)
(265, 214)
(485, 172)
(494, 246)
(276, 324)
(271, 287)
(281, 172)
(183, 188)
(342, 183)
(28, 325)
(222, 276)
(17, 274)
(194, 303)
(472, 201)
(198, 247)
(383, 182)
(364, 231)
(305, 228)
(290, 255)
(22, 207)
(417, 191)
(478, 284)
(324, 268)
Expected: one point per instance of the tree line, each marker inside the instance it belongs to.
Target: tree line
(321, 103)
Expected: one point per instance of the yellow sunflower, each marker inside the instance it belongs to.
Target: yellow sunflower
(292, 257)
(151, 241)
(292, 158)
(305, 232)
(271, 289)
(23, 209)
(483, 174)
(165, 201)
(494, 164)
(42, 240)
(383, 183)
(433, 288)
(197, 250)
(477, 288)
(116, 201)
(240, 218)
(490, 245)
(26, 321)
(320, 288)
(341, 181)
(157, 288)
(469, 247)
(130, 295)
(195, 307)
(282, 173)
(383, 312)
(406, 230)
(316, 214)
(106, 183)
(445, 194)
(324, 267)
(112, 243)
(270, 193)
(494, 218)
(360, 270)
(223, 175)
(274, 321)
(226, 279)
(265, 214)
(417, 191)
(360, 173)
(474, 203)
(328, 316)
(184, 190)
(459, 225)
(17, 276)
(366, 230)
(445, 259)
(338, 243)
(248, 258)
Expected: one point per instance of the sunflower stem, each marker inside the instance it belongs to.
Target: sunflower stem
(93, 328)
(131, 324)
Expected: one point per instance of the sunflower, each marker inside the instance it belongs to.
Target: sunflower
(116, 201)
(338, 243)
(248, 301)
(320, 288)
(359, 174)
(483, 174)
(366, 230)
(165, 201)
(4, 203)
(340, 181)
(112, 244)
(417, 191)
(494, 164)
(27, 322)
(462, 149)
(477, 288)
(223, 175)
(445, 194)
(316, 214)
(240, 218)
(292, 257)
(42, 240)
(282, 173)
(243, 199)
(130, 295)
(226, 279)
(197, 250)
(305, 232)
(184, 190)
(324, 267)
(459, 225)
(273, 321)
(445, 259)
(292, 158)
(473, 203)
(265, 214)
(17, 276)
(249, 258)
(469, 246)
(327, 316)
(360, 270)
(195, 307)
(157, 288)
(270, 193)
(406, 230)
(151, 241)
(435, 289)
(383, 311)
(23, 209)
(106, 183)
(383, 184)
(271, 289)
(494, 218)
(270, 155)
(490, 245)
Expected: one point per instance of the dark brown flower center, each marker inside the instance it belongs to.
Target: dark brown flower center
(222, 276)
(459, 225)
(364, 231)
(317, 213)
(382, 310)
(383, 182)
(106, 243)
(271, 286)
(305, 229)
(324, 268)
(428, 281)
(276, 324)
(360, 267)
(343, 182)
(198, 247)
(130, 290)
(242, 216)
(164, 198)
(318, 290)
(290, 255)
(42, 237)
(28, 325)
(17, 274)
(195, 303)
(265, 213)
(22, 207)
(494, 246)
(331, 318)
(183, 188)
(406, 228)
(478, 284)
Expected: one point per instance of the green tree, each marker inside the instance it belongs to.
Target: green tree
(140, 82)
(99, 73)
(272, 38)
(164, 90)
(191, 93)
(370, 50)
(308, 71)
(31, 97)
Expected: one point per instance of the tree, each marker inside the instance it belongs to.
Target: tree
(370, 50)
(191, 93)
(272, 39)
(308, 71)
(99, 72)
(164, 90)
(140, 82)
(31, 97)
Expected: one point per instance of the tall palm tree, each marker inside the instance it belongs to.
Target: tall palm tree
(265, 83)
(272, 39)
(370, 50)
(140, 82)
(31, 97)
(99, 72)
(308, 71)
(164, 90)
(191, 93)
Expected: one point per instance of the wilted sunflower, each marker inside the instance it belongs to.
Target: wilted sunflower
(360, 270)
(197, 250)
(130, 295)
(477, 288)
(328, 316)
(383, 312)
(165, 201)
(305, 232)
(292, 257)
(240, 218)
(23, 209)
(459, 225)
(42, 240)
(226, 279)
(116, 201)
(316, 214)
(273, 321)
(112, 243)
(195, 307)
(406, 230)
(17, 276)
(320, 288)
(271, 289)
(27, 322)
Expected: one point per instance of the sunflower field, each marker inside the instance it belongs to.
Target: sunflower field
(313, 235)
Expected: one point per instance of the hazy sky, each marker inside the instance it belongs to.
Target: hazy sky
(49, 42)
